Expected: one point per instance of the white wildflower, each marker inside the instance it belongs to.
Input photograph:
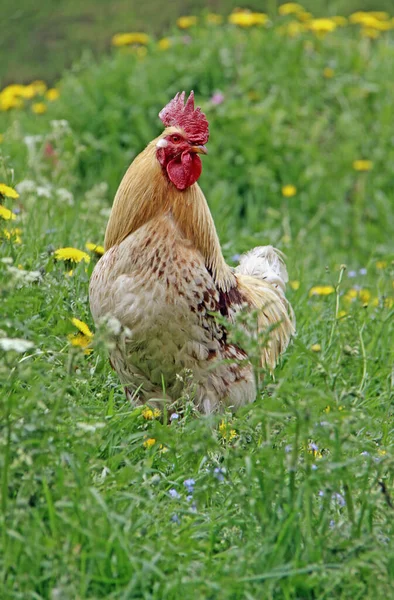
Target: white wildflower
(104, 473)
(26, 186)
(90, 427)
(98, 192)
(60, 125)
(32, 140)
(15, 344)
(22, 276)
(65, 196)
(44, 191)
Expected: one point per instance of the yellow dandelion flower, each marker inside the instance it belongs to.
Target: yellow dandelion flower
(358, 17)
(293, 29)
(341, 314)
(72, 254)
(362, 165)
(10, 97)
(232, 434)
(370, 33)
(127, 39)
(164, 43)
(226, 432)
(14, 89)
(350, 295)
(384, 25)
(82, 327)
(340, 21)
(245, 18)
(186, 22)
(6, 190)
(322, 26)
(380, 15)
(83, 338)
(295, 285)
(7, 101)
(52, 94)
(365, 296)
(147, 413)
(289, 190)
(316, 347)
(149, 442)
(39, 86)
(12, 235)
(290, 8)
(388, 302)
(150, 414)
(328, 72)
(79, 340)
(39, 108)
(259, 18)
(370, 22)
(214, 19)
(321, 290)
(99, 250)
(327, 409)
(382, 452)
(6, 214)
(28, 92)
(381, 264)
(304, 16)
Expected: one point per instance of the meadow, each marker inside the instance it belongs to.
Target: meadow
(292, 497)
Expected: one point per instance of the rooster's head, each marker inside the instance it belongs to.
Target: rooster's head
(183, 139)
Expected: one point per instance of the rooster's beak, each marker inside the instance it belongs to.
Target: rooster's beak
(199, 149)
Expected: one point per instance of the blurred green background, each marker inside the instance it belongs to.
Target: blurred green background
(41, 39)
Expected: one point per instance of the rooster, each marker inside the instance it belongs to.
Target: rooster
(164, 279)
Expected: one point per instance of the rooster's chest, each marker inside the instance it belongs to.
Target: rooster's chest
(156, 284)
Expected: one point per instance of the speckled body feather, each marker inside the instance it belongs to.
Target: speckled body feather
(163, 277)
(157, 285)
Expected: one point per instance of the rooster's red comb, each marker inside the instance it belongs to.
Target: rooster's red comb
(192, 120)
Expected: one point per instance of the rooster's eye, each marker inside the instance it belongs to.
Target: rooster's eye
(175, 138)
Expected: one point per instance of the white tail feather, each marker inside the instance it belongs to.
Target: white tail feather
(265, 263)
(262, 278)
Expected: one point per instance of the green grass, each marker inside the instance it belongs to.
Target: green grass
(86, 510)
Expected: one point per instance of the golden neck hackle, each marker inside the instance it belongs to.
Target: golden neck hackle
(145, 193)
